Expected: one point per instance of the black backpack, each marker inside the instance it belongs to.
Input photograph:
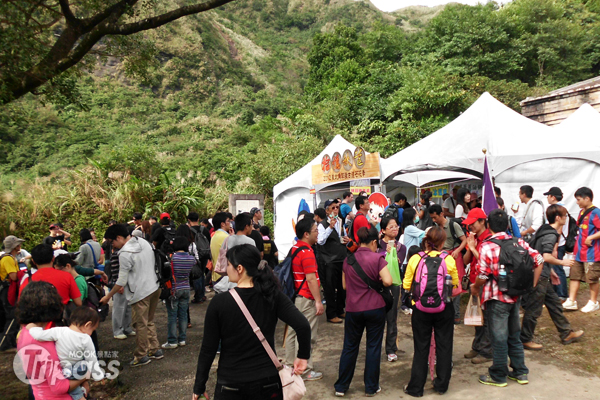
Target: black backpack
(202, 245)
(96, 293)
(572, 232)
(162, 267)
(518, 265)
(169, 235)
(391, 212)
(451, 221)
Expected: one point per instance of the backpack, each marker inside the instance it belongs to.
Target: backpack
(428, 294)
(391, 212)
(169, 235)
(162, 267)
(285, 274)
(459, 221)
(221, 266)
(518, 264)
(93, 300)
(202, 244)
(352, 246)
(572, 232)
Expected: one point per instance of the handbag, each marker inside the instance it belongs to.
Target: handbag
(474, 314)
(393, 267)
(292, 385)
(385, 292)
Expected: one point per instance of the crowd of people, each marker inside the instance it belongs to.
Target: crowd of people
(418, 260)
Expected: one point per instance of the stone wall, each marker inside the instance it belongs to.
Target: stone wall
(554, 108)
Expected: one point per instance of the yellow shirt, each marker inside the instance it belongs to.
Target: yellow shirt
(413, 263)
(8, 265)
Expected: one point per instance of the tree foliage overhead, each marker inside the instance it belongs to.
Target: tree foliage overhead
(42, 39)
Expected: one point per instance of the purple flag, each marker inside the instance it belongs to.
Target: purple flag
(489, 197)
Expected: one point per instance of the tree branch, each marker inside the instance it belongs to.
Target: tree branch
(155, 22)
(66, 10)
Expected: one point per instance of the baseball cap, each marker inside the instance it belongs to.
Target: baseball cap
(554, 191)
(10, 242)
(330, 202)
(254, 210)
(474, 215)
(165, 215)
(53, 226)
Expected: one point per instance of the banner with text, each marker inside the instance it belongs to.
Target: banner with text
(347, 166)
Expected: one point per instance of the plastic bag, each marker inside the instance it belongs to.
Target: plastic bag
(474, 313)
(392, 260)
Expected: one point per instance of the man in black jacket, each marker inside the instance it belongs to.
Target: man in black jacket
(546, 243)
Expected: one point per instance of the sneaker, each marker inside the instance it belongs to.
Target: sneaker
(392, 357)
(573, 337)
(169, 346)
(122, 336)
(335, 320)
(480, 359)
(487, 380)
(132, 333)
(157, 355)
(181, 344)
(142, 361)
(471, 354)
(520, 379)
(570, 305)
(406, 310)
(591, 307)
(312, 376)
(373, 394)
(340, 394)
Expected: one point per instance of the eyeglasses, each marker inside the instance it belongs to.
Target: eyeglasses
(334, 207)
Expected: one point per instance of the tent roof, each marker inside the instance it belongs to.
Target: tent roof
(509, 137)
(303, 177)
(422, 178)
(584, 119)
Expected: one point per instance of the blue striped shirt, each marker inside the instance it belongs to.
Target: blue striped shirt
(182, 265)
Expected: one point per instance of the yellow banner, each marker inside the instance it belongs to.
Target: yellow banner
(347, 166)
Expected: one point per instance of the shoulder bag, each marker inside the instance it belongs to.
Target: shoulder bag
(385, 292)
(292, 385)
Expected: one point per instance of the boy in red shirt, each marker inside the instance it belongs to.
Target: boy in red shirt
(306, 282)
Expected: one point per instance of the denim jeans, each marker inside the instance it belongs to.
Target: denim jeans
(199, 291)
(561, 289)
(177, 310)
(505, 331)
(355, 324)
(543, 294)
(263, 389)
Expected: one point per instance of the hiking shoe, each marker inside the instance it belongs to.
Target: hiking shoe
(532, 346)
(142, 361)
(591, 307)
(122, 336)
(312, 376)
(392, 357)
(570, 305)
(181, 344)
(573, 337)
(487, 380)
(335, 320)
(157, 355)
(373, 394)
(480, 359)
(471, 354)
(520, 379)
(169, 346)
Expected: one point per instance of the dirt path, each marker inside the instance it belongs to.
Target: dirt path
(557, 372)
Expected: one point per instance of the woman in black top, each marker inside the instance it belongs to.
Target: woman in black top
(245, 370)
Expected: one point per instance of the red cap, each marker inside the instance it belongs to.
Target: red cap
(165, 215)
(474, 215)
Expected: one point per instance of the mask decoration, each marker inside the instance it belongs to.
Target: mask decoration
(378, 203)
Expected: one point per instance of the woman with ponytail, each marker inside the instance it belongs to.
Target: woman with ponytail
(365, 310)
(423, 323)
(245, 369)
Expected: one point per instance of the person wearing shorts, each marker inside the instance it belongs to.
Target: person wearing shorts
(587, 252)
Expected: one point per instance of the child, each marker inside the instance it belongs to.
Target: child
(74, 347)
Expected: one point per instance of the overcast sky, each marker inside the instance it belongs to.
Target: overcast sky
(392, 5)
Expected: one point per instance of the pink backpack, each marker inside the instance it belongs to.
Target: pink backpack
(221, 267)
(428, 285)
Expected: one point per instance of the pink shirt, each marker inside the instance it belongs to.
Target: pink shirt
(48, 383)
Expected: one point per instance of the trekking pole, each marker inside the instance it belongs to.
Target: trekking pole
(7, 330)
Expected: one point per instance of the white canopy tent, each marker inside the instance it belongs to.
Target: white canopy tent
(288, 193)
(520, 151)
